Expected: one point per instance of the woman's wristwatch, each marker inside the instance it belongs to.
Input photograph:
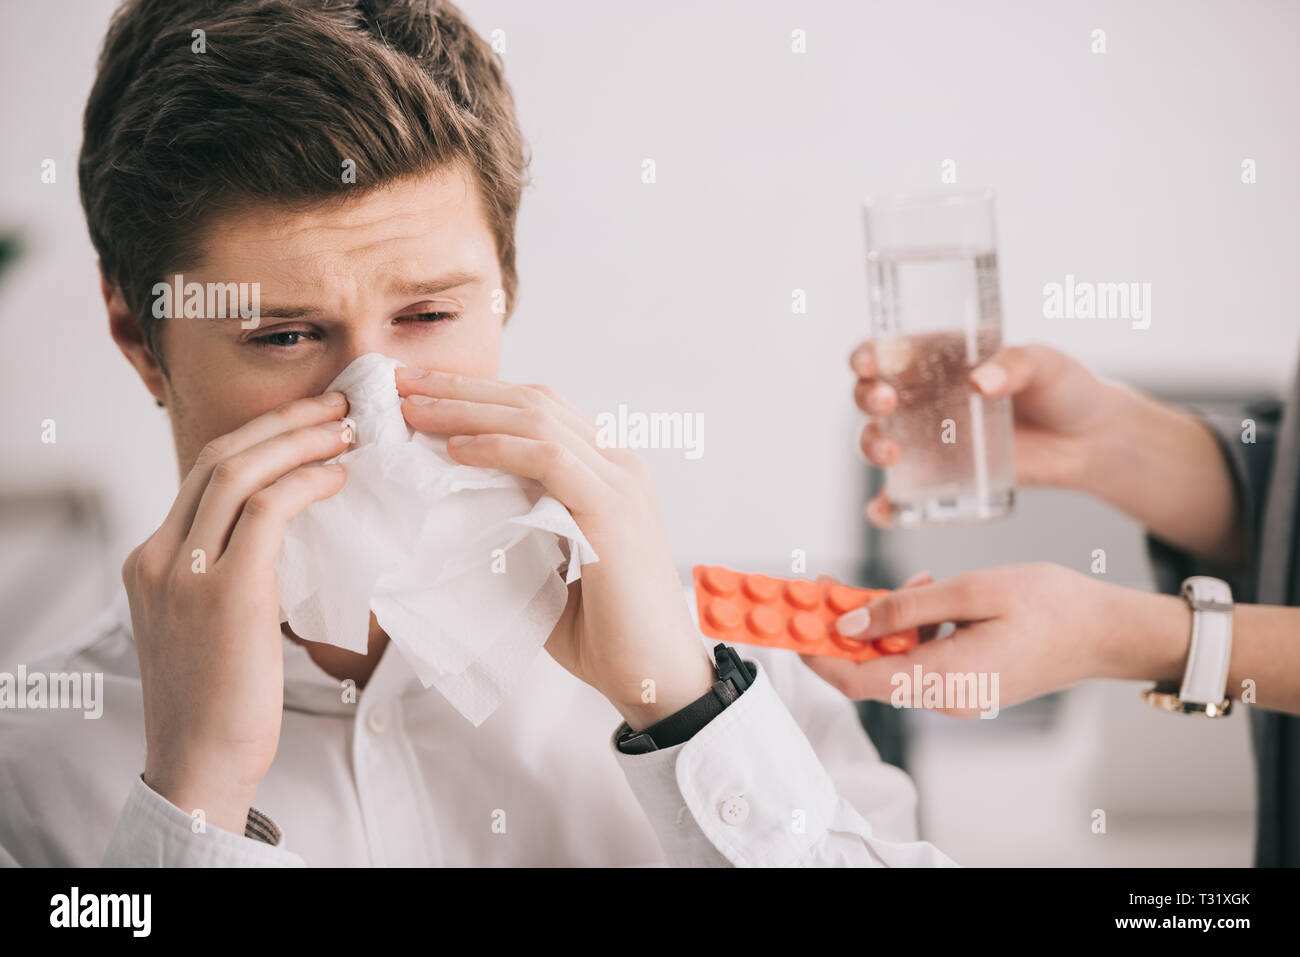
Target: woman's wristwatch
(1205, 680)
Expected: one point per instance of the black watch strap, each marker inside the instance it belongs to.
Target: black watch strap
(733, 675)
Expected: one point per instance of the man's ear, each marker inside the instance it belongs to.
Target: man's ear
(125, 330)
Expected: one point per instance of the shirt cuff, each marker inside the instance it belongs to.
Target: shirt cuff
(153, 832)
(749, 790)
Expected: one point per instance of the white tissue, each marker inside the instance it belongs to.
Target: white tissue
(414, 536)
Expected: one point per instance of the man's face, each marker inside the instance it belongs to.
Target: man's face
(337, 281)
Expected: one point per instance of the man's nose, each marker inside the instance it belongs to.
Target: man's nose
(373, 339)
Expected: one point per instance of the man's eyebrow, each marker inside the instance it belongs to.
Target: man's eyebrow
(419, 287)
(431, 287)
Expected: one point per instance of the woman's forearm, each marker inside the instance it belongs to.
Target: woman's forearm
(1147, 637)
(1266, 654)
(1163, 467)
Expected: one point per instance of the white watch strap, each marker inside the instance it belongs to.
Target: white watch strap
(1206, 677)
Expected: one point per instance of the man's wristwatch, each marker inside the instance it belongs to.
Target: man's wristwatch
(1206, 679)
(733, 677)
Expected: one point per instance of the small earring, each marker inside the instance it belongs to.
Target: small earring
(160, 403)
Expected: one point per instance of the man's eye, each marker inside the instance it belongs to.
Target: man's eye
(283, 340)
(429, 316)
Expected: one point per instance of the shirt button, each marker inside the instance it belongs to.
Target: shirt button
(734, 810)
(377, 721)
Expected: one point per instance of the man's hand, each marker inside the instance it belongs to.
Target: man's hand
(1039, 627)
(205, 608)
(627, 622)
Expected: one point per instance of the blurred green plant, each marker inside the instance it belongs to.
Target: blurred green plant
(11, 247)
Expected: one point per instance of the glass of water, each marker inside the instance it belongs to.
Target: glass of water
(932, 273)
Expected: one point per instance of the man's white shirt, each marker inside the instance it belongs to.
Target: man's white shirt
(784, 776)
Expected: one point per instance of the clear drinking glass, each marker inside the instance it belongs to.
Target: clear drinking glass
(932, 273)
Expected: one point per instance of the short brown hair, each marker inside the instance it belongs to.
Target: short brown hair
(285, 91)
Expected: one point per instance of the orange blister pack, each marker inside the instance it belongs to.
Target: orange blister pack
(787, 613)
